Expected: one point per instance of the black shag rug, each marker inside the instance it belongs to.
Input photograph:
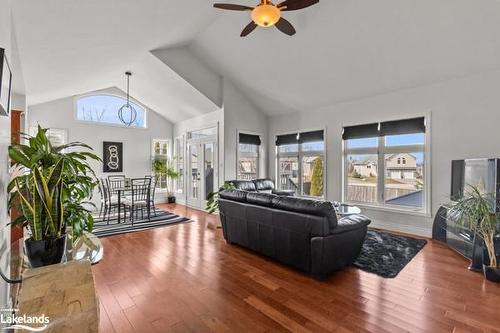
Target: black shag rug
(387, 254)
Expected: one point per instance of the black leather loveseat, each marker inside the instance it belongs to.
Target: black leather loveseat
(299, 232)
(264, 185)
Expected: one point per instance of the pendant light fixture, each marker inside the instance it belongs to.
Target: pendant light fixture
(127, 113)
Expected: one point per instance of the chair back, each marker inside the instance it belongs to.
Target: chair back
(141, 189)
(103, 190)
(115, 182)
(153, 189)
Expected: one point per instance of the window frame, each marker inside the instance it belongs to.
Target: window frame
(168, 156)
(381, 151)
(176, 154)
(300, 154)
(239, 154)
(91, 122)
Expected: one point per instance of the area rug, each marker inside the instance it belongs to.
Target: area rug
(162, 219)
(387, 254)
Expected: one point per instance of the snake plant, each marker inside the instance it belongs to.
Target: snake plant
(54, 187)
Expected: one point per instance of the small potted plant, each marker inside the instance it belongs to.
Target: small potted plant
(50, 189)
(164, 167)
(213, 197)
(476, 210)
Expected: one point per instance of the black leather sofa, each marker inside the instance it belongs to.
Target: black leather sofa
(263, 185)
(302, 233)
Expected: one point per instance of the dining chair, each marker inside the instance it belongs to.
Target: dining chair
(140, 198)
(109, 203)
(114, 182)
(152, 195)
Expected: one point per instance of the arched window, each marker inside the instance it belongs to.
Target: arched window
(104, 109)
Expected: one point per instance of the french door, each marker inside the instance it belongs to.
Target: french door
(202, 165)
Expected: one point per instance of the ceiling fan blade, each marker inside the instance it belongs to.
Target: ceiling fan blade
(285, 27)
(230, 6)
(248, 29)
(296, 4)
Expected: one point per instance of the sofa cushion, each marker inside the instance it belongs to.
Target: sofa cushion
(235, 195)
(264, 184)
(308, 206)
(244, 185)
(261, 199)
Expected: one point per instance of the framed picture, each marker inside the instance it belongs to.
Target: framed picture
(5, 84)
(112, 156)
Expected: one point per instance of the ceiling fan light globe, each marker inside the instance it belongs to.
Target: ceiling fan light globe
(266, 15)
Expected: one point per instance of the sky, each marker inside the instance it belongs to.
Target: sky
(91, 108)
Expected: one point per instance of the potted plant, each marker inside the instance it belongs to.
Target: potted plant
(476, 210)
(213, 197)
(51, 190)
(164, 167)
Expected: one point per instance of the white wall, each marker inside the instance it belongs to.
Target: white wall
(136, 142)
(5, 42)
(191, 69)
(465, 115)
(241, 115)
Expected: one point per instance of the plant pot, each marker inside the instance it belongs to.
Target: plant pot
(491, 274)
(46, 251)
(170, 199)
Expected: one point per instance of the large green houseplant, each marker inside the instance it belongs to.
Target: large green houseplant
(165, 168)
(51, 191)
(475, 210)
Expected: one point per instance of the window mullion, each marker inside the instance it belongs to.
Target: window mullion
(381, 170)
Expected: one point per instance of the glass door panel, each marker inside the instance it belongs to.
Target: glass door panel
(194, 173)
(208, 169)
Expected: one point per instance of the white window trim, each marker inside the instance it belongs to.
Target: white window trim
(182, 139)
(240, 154)
(90, 122)
(426, 149)
(168, 156)
(300, 154)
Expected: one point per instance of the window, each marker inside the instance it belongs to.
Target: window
(104, 109)
(301, 163)
(160, 153)
(179, 163)
(385, 164)
(248, 156)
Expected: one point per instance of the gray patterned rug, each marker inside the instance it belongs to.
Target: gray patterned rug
(162, 219)
(387, 254)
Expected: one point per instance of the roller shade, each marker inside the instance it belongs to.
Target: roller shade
(360, 131)
(286, 139)
(406, 126)
(314, 136)
(250, 139)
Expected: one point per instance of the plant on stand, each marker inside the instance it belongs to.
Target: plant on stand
(476, 210)
(51, 190)
(165, 168)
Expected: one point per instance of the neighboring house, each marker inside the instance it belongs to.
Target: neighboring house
(401, 166)
(365, 169)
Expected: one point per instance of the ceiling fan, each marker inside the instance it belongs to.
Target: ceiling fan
(266, 14)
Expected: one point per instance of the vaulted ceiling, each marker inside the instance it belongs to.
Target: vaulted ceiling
(343, 49)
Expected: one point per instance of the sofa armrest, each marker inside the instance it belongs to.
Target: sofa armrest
(349, 223)
(284, 193)
(340, 248)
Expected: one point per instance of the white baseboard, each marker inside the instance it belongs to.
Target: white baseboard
(424, 231)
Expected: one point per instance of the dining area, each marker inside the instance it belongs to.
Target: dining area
(127, 200)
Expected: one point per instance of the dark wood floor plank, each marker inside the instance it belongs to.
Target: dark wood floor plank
(186, 278)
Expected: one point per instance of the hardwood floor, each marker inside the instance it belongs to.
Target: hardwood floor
(185, 278)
